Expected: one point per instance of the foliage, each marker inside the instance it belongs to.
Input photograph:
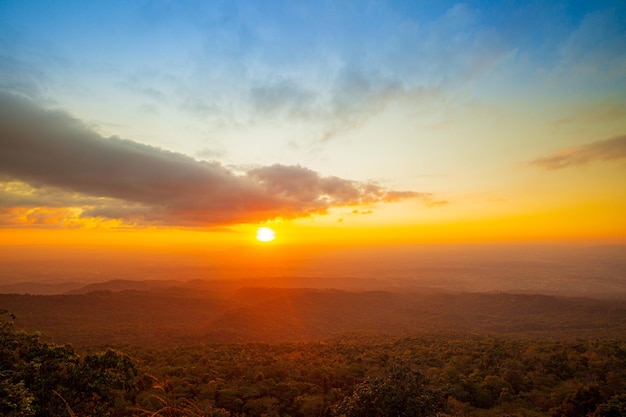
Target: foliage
(46, 380)
(450, 373)
(15, 400)
(399, 392)
(473, 375)
(614, 407)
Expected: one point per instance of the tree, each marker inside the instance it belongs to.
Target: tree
(399, 392)
(46, 380)
(15, 400)
(581, 403)
(614, 407)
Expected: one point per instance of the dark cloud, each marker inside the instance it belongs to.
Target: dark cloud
(59, 162)
(613, 148)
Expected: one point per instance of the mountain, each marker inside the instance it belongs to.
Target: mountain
(170, 316)
(117, 285)
(39, 288)
(203, 285)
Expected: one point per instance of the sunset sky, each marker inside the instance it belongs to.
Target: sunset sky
(331, 122)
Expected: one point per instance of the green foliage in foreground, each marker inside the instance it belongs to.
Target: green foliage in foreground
(440, 375)
(452, 375)
(46, 380)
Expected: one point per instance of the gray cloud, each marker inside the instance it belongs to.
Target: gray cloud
(66, 164)
(608, 149)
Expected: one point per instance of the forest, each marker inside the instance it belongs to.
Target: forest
(300, 353)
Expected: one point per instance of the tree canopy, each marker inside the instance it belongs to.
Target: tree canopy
(46, 380)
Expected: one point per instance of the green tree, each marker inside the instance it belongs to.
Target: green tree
(581, 403)
(399, 392)
(46, 380)
(15, 400)
(614, 407)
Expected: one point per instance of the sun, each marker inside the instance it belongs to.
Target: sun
(265, 234)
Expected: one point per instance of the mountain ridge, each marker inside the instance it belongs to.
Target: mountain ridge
(260, 314)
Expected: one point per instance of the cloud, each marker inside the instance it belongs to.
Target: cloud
(605, 111)
(604, 150)
(49, 159)
(141, 85)
(597, 47)
(19, 76)
(350, 99)
(331, 74)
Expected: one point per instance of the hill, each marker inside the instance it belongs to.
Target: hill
(40, 288)
(216, 313)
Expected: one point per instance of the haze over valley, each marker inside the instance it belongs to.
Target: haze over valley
(574, 270)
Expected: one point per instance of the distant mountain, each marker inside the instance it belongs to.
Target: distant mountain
(39, 288)
(170, 316)
(219, 285)
(118, 285)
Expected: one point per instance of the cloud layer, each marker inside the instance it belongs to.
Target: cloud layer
(48, 159)
(613, 148)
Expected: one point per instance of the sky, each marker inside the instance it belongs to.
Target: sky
(332, 122)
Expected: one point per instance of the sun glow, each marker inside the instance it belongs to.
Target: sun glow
(265, 234)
